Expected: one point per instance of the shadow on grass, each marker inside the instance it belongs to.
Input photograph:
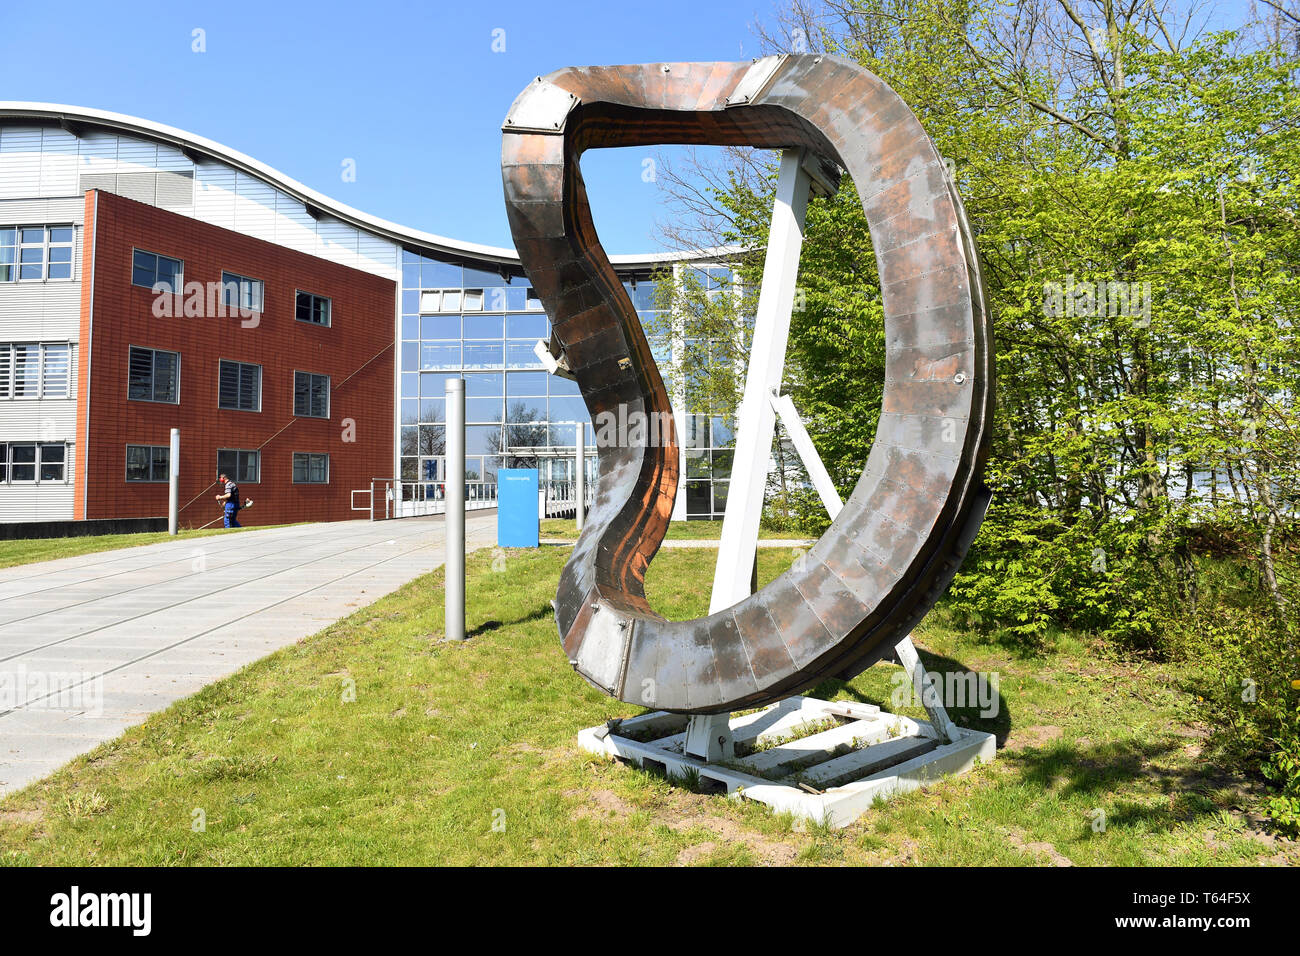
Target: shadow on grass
(1096, 770)
(969, 704)
(487, 627)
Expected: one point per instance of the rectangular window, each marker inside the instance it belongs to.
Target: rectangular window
(149, 269)
(8, 253)
(153, 375)
(311, 395)
(241, 292)
(147, 462)
(313, 308)
(484, 355)
(33, 462)
(27, 371)
(239, 386)
(310, 469)
(35, 252)
(35, 370)
(52, 461)
(243, 466)
(56, 370)
(22, 461)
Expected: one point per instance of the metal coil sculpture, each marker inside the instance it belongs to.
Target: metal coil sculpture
(897, 543)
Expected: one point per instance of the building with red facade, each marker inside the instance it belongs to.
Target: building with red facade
(275, 365)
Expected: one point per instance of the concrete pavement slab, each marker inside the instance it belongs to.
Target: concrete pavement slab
(93, 644)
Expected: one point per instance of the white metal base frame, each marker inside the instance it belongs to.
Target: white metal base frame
(821, 761)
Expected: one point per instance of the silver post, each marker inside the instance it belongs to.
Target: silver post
(174, 483)
(580, 477)
(455, 510)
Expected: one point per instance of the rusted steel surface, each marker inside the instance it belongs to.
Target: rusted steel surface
(896, 545)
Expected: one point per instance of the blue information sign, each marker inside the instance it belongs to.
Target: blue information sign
(517, 513)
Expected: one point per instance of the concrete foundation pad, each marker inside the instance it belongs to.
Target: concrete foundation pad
(822, 761)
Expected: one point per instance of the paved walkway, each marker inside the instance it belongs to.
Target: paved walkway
(92, 645)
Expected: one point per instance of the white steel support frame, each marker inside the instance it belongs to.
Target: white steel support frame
(708, 736)
(756, 417)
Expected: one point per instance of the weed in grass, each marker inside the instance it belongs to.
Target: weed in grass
(688, 778)
(83, 804)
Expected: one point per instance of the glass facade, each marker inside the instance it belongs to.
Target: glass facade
(481, 325)
(708, 442)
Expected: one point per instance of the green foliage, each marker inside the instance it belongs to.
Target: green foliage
(1283, 769)
(1250, 692)
(1138, 219)
(1030, 574)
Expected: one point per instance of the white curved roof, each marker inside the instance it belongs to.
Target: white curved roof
(74, 117)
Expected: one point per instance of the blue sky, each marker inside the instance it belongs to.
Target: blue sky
(412, 92)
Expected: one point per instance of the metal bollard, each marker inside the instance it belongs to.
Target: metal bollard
(455, 510)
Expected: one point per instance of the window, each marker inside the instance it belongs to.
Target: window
(313, 308)
(35, 252)
(154, 376)
(243, 466)
(8, 254)
(147, 462)
(311, 395)
(241, 292)
(150, 269)
(239, 386)
(33, 462)
(35, 370)
(310, 469)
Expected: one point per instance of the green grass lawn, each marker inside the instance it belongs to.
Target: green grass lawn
(48, 549)
(372, 743)
(677, 530)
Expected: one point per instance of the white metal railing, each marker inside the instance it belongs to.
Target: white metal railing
(394, 498)
(559, 497)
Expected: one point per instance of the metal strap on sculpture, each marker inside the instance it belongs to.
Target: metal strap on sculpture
(900, 537)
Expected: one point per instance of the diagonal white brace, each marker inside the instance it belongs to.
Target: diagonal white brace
(930, 698)
(812, 462)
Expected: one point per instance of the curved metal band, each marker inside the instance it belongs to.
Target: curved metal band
(896, 545)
